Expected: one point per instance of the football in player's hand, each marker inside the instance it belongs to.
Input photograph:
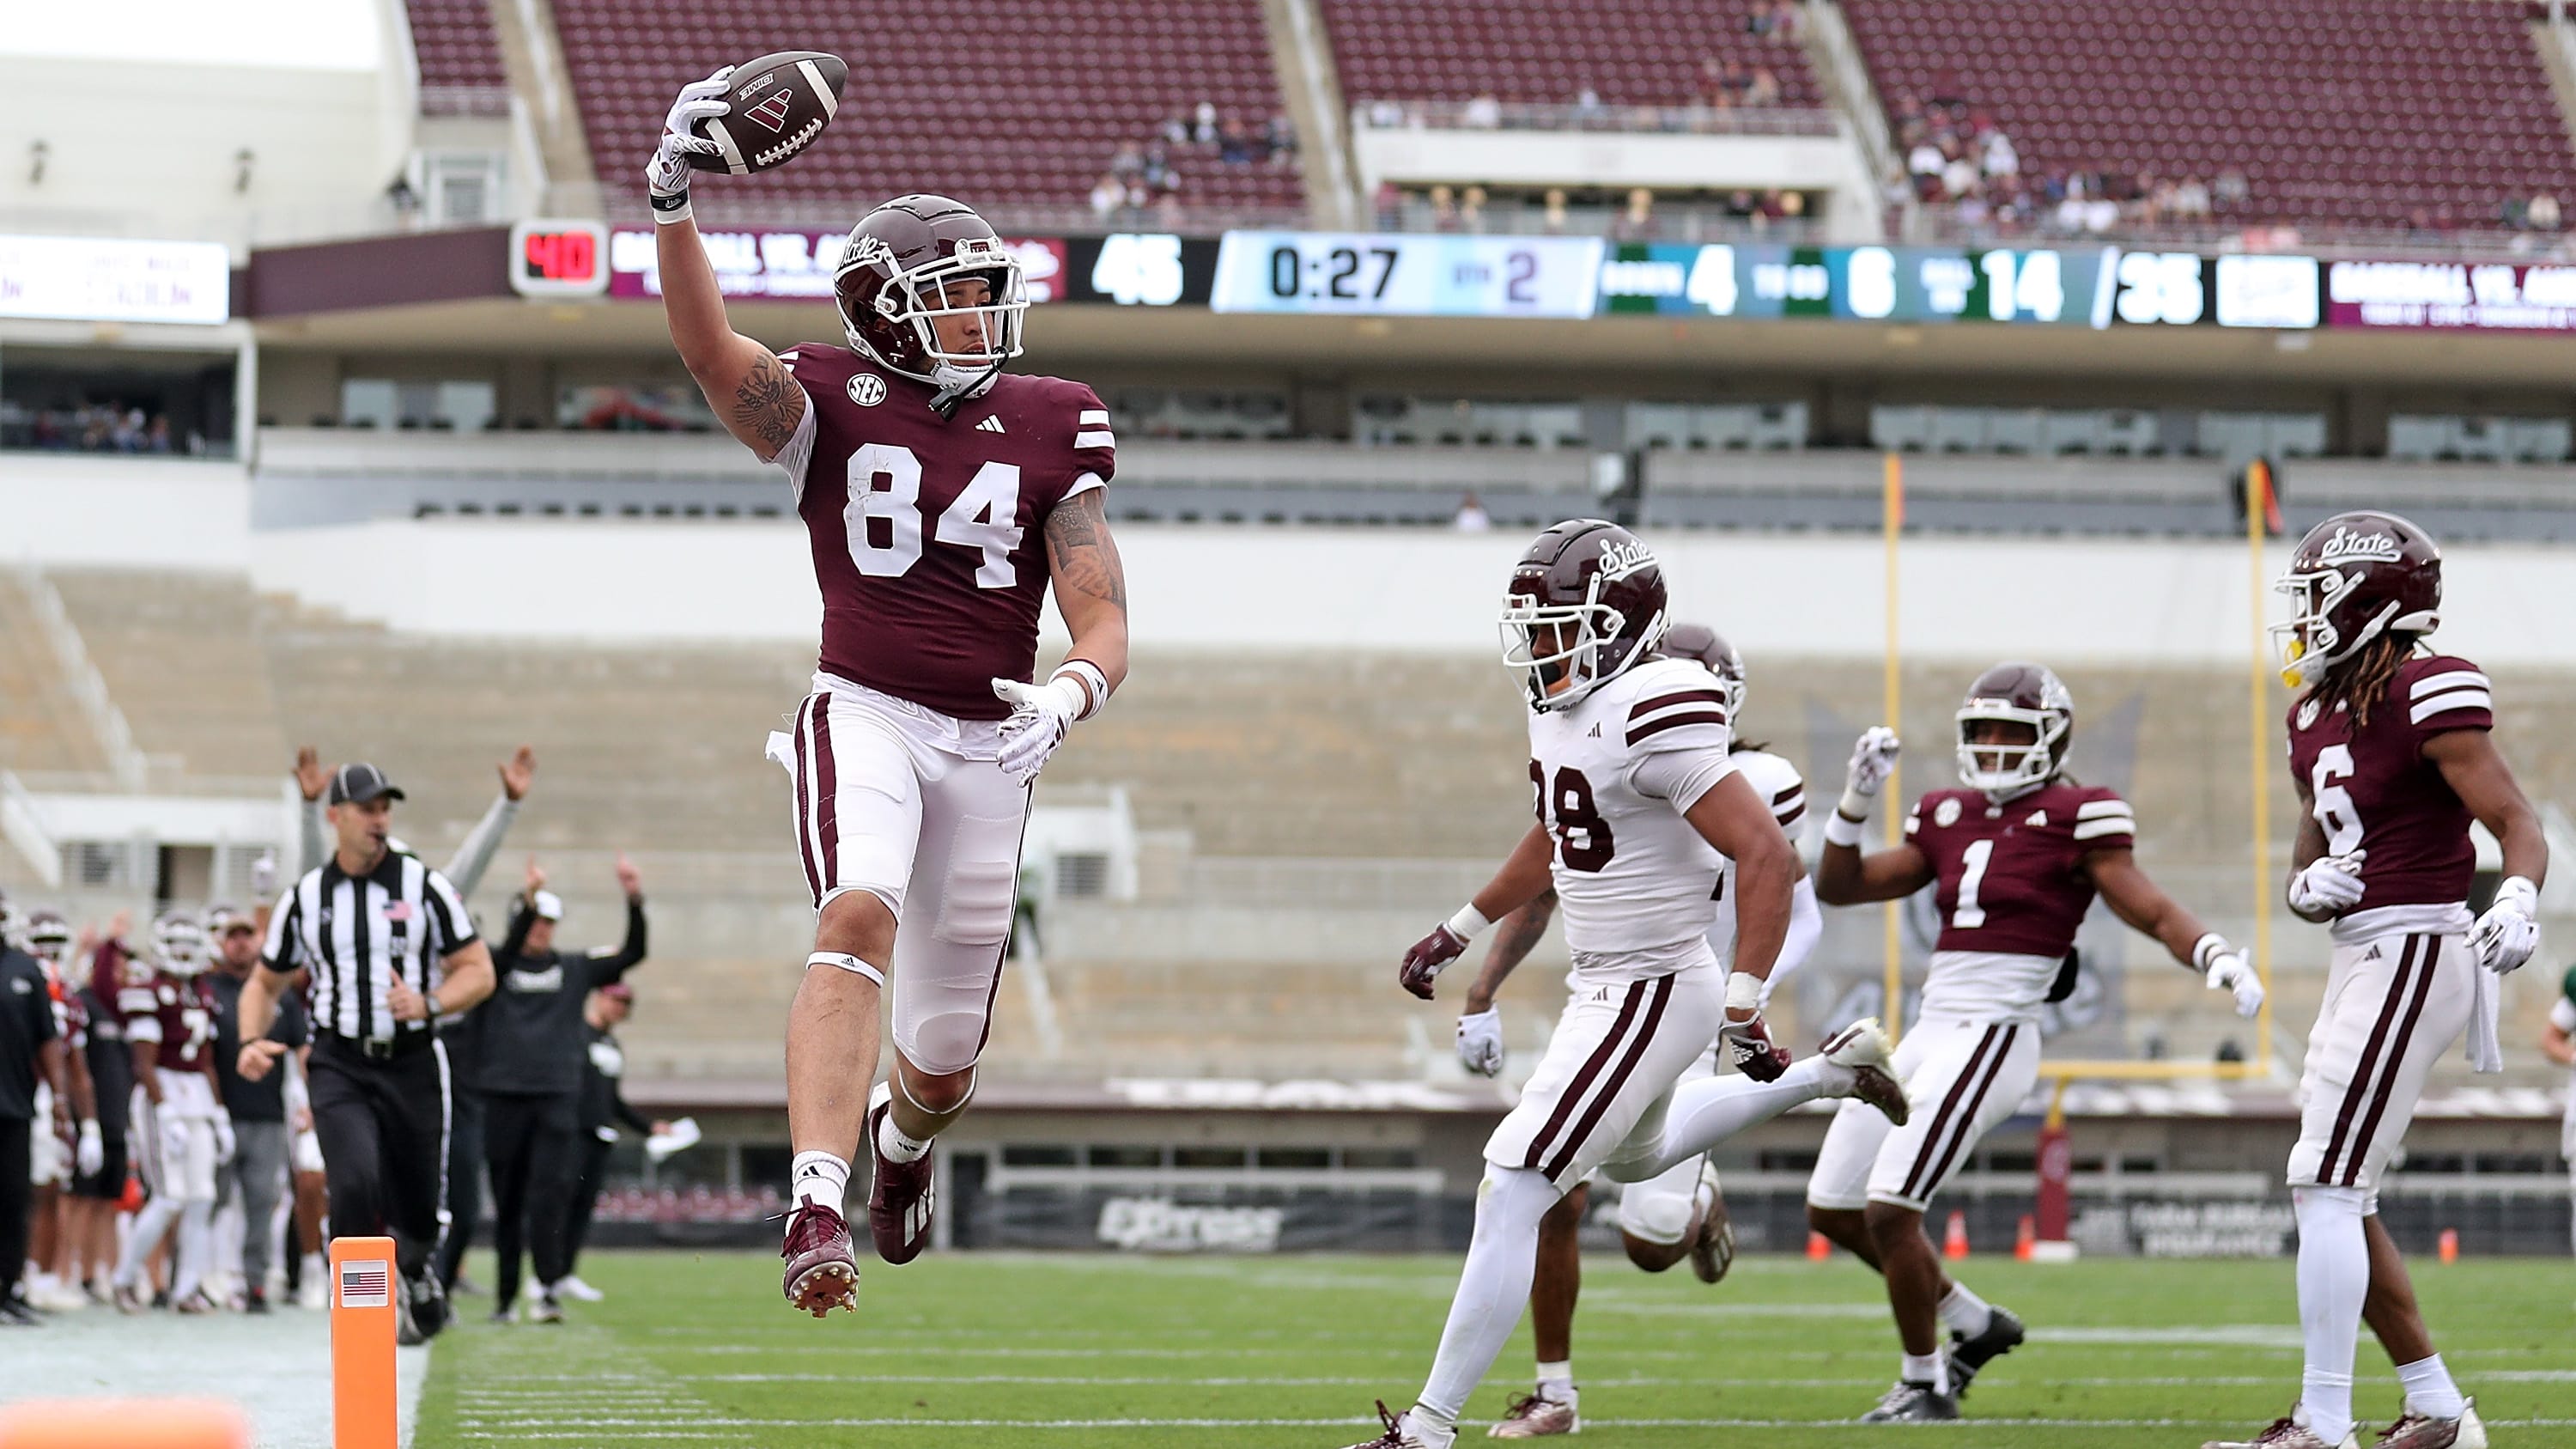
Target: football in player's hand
(780, 103)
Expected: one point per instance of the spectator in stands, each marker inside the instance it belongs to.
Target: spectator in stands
(2191, 199)
(1637, 221)
(1484, 113)
(1763, 89)
(2230, 189)
(1108, 196)
(1924, 163)
(1958, 174)
(2542, 215)
(1390, 206)
(156, 439)
(1999, 157)
(1235, 144)
(1472, 517)
(1471, 209)
(1553, 217)
(1203, 124)
(1587, 104)
(1444, 209)
(1282, 139)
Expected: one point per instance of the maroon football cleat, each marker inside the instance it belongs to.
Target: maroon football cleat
(901, 1199)
(822, 1269)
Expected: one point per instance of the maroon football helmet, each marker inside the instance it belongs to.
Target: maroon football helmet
(1700, 642)
(49, 937)
(2356, 576)
(2021, 694)
(901, 269)
(1585, 603)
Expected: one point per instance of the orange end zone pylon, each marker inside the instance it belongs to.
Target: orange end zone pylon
(363, 1284)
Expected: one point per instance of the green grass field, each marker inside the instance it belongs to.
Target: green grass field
(972, 1350)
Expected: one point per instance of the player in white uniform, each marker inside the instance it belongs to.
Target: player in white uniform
(1637, 802)
(2558, 1043)
(1681, 1212)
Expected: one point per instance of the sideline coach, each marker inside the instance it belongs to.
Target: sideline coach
(388, 949)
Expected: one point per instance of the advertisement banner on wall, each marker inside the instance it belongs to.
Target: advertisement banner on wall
(89, 279)
(2452, 296)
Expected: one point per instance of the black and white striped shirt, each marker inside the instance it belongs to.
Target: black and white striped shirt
(357, 935)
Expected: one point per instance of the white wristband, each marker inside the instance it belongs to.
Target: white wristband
(2207, 949)
(1088, 678)
(1855, 804)
(1743, 991)
(1468, 922)
(1841, 829)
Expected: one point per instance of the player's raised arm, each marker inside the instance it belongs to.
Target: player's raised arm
(1844, 876)
(745, 383)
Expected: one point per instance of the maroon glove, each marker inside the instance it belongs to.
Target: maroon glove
(1422, 963)
(1749, 1046)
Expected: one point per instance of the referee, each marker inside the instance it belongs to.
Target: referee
(388, 949)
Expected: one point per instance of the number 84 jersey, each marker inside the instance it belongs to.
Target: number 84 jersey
(929, 535)
(1612, 775)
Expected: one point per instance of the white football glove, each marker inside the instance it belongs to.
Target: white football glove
(1873, 757)
(224, 1144)
(667, 174)
(2330, 884)
(91, 1154)
(2226, 969)
(1480, 1041)
(2506, 935)
(1040, 714)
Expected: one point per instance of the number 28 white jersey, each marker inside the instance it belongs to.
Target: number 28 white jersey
(1612, 776)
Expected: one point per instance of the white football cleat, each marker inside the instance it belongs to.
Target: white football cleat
(573, 1288)
(1864, 1048)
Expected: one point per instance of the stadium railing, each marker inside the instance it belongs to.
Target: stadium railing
(1416, 115)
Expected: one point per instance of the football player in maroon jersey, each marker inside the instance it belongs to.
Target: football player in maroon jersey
(943, 498)
(170, 1023)
(2017, 857)
(2392, 752)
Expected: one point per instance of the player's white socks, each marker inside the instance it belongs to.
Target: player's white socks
(196, 1247)
(1706, 1113)
(1929, 1368)
(896, 1146)
(2334, 1277)
(1492, 1289)
(1556, 1382)
(1964, 1313)
(2429, 1389)
(819, 1177)
(147, 1229)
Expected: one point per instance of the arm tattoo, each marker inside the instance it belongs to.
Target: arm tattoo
(1081, 555)
(766, 406)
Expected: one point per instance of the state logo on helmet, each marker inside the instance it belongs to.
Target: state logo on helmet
(2355, 577)
(179, 940)
(1700, 642)
(2014, 729)
(915, 261)
(1586, 602)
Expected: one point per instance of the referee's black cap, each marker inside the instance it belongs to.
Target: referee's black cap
(360, 783)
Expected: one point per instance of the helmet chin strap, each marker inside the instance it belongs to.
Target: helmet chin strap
(957, 385)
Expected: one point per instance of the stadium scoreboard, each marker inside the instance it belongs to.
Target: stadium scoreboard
(1407, 274)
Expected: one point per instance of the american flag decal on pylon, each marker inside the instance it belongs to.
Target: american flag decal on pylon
(366, 1283)
(773, 112)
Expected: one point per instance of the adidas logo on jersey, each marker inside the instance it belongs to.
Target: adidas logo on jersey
(989, 425)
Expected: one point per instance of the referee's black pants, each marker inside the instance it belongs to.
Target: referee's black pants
(533, 1144)
(585, 1195)
(17, 1143)
(383, 1126)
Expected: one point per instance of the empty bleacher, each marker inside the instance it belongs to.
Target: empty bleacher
(459, 54)
(1627, 52)
(2367, 113)
(42, 728)
(180, 656)
(1000, 103)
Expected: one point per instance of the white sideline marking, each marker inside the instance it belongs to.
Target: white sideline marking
(625, 1432)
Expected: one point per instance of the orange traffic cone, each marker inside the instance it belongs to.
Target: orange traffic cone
(2023, 1237)
(1819, 1248)
(2450, 1245)
(1954, 1239)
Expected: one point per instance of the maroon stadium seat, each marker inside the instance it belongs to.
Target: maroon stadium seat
(1630, 52)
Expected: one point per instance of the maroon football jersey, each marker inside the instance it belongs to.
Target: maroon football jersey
(929, 535)
(176, 1012)
(2374, 791)
(2009, 878)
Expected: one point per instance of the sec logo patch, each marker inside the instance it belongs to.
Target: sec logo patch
(1946, 814)
(2307, 714)
(867, 389)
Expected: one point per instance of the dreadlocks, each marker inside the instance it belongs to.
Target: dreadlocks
(2362, 680)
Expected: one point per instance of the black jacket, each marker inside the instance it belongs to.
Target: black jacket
(534, 1039)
